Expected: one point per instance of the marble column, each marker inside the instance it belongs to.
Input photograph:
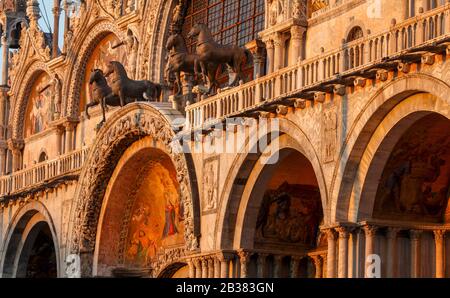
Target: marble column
(56, 13)
(69, 136)
(439, 242)
(204, 261)
(277, 266)
(270, 46)
(216, 268)
(296, 43)
(331, 254)
(5, 57)
(370, 233)
(324, 266)
(318, 265)
(224, 265)
(261, 265)
(278, 53)
(343, 251)
(295, 264)
(391, 252)
(2, 158)
(191, 269)
(210, 267)
(198, 268)
(244, 259)
(414, 236)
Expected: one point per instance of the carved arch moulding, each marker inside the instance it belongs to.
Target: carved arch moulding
(128, 125)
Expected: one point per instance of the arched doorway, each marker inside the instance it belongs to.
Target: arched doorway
(31, 250)
(281, 211)
(38, 256)
(412, 167)
(142, 216)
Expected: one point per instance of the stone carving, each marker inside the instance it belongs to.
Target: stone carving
(132, 46)
(56, 94)
(299, 9)
(276, 11)
(210, 184)
(209, 51)
(128, 126)
(329, 133)
(291, 213)
(124, 87)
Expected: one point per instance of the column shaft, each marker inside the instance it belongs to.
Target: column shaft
(439, 242)
(415, 253)
(331, 255)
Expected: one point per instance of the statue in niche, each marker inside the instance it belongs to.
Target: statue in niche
(299, 9)
(291, 214)
(132, 46)
(210, 185)
(276, 12)
(56, 93)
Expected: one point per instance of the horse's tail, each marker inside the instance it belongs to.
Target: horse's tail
(248, 56)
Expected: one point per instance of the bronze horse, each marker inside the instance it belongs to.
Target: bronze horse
(209, 51)
(101, 93)
(180, 60)
(124, 87)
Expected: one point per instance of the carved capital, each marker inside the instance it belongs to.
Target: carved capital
(439, 235)
(391, 232)
(344, 232)
(415, 235)
(244, 256)
(370, 230)
(297, 32)
(331, 234)
(15, 144)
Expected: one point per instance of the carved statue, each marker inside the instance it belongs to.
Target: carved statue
(124, 87)
(180, 60)
(209, 51)
(275, 11)
(56, 93)
(132, 46)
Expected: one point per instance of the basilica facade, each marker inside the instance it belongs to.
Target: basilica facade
(320, 149)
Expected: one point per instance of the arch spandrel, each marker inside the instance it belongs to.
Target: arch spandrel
(128, 125)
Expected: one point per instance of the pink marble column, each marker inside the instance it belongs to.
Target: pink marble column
(331, 255)
(415, 252)
(343, 251)
(370, 233)
(439, 242)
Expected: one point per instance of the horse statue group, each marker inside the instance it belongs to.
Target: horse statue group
(122, 91)
(206, 60)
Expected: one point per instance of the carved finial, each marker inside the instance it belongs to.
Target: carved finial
(33, 11)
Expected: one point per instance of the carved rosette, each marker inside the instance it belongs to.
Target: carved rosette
(128, 125)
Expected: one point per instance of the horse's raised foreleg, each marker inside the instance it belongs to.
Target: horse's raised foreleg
(122, 98)
(205, 74)
(91, 104)
(179, 86)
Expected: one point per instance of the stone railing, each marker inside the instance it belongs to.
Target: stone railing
(425, 29)
(42, 172)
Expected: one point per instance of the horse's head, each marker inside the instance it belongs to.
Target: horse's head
(96, 74)
(171, 41)
(195, 31)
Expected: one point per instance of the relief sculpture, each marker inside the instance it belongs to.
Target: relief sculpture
(291, 213)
